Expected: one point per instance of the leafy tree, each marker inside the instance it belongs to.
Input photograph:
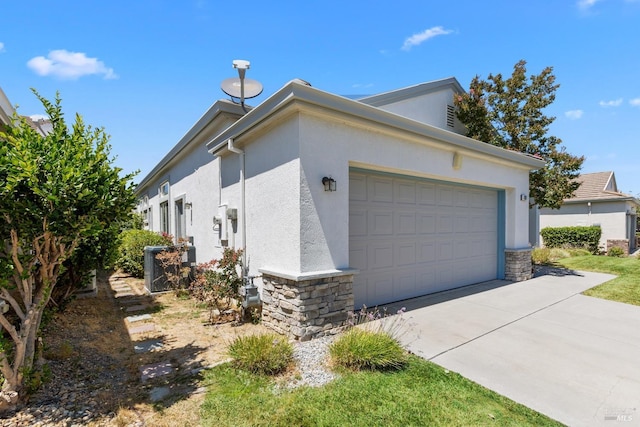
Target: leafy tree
(57, 192)
(509, 113)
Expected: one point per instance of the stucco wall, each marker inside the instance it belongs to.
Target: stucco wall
(430, 108)
(610, 216)
(272, 191)
(332, 149)
(194, 178)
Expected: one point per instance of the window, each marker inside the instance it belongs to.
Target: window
(180, 221)
(164, 217)
(164, 189)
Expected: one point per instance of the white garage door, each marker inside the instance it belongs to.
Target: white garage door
(411, 237)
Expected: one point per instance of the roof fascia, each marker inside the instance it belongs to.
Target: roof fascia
(218, 107)
(397, 95)
(295, 91)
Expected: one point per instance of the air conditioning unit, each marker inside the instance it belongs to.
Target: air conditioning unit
(154, 275)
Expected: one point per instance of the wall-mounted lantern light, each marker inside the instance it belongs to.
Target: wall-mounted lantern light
(329, 183)
(523, 197)
(188, 205)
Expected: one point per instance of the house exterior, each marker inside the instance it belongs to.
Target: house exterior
(598, 202)
(43, 126)
(417, 208)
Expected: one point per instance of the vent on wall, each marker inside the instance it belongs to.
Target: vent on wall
(450, 115)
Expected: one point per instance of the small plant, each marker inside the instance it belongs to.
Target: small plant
(131, 253)
(541, 256)
(615, 252)
(217, 282)
(266, 354)
(360, 349)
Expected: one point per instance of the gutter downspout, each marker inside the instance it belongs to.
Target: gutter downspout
(240, 152)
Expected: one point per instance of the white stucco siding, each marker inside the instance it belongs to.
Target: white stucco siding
(193, 178)
(610, 216)
(330, 149)
(430, 108)
(272, 191)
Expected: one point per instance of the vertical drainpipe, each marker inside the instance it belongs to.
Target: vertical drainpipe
(240, 152)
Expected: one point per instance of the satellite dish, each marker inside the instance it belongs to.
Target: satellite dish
(233, 87)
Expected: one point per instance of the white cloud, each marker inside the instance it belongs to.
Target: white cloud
(586, 4)
(1, 47)
(612, 103)
(574, 114)
(418, 39)
(69, 65)
(635, 102)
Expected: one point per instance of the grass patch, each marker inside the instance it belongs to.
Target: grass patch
(419, 395)
(624, 288)
(261, 354)
(364, 349)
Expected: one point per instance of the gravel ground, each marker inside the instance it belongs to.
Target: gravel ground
(311, 358)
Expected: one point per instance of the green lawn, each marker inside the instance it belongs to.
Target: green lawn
(624, 288)
(422, 394)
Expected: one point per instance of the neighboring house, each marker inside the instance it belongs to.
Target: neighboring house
(598, 202)
(43, 126)
(410, 206)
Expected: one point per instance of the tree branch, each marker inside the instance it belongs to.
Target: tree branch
(14, 304)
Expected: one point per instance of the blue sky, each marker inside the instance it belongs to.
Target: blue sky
(146, 70)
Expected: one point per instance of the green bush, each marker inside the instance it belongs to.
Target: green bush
(572, 237)
(541, 256)
(131, 253)
(261, 354)
(616, 252)
(359, 349)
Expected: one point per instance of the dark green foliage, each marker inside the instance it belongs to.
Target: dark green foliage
(572, 237)
(59, 194)
(365, 349)
(131, 253)
(508, 113)
(261, 354)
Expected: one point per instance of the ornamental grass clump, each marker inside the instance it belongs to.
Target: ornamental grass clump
(266, 354)
(364, 349)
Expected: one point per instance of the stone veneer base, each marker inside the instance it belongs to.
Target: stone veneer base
(306, 307)
(517, 264)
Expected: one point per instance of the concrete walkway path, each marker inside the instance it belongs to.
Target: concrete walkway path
(572, 357)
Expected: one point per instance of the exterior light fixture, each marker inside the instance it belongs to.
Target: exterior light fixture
(329, 183)
(188, 205)
(523, 197)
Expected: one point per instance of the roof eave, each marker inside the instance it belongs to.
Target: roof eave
(295, 91)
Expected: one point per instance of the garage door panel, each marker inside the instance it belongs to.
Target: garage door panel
(380, 223)
(380, 256)
(426, 223)
(406, 223)
(405, 192)
(358, 222)
(405, 254)
(413, 237)
(426, 193)
(357, 187)
(380, 189)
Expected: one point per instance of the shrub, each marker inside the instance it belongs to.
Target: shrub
(131, 253)
(360, 348)
(265, 354)
(615, 251)
(572, 237)
(217, 282)
(541, 256)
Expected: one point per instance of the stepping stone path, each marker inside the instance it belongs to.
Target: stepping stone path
(131, 302)
(147, 346)
(155, 370)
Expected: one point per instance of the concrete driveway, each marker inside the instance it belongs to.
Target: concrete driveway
(572, 357)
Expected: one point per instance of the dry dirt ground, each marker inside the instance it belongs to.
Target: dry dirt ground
(92, 343)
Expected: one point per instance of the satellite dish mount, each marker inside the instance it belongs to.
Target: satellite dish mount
(241, 87)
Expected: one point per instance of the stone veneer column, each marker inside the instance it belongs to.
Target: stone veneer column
(307, 306)
(517, 264)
